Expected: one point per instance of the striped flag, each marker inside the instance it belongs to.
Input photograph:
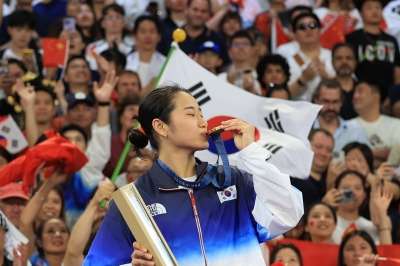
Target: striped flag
(11, 137)
(281, 126)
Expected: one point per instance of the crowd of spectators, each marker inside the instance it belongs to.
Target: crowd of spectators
(116, 51)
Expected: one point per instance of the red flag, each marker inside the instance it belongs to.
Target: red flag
(55, 52)
(352, 227)
(278, 36)
(332, 34)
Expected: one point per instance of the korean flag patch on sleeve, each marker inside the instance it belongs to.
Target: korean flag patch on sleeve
(227, 194)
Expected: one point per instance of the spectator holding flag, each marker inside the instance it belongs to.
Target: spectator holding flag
(172, 121)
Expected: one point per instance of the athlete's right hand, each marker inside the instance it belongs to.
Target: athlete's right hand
(140, 256)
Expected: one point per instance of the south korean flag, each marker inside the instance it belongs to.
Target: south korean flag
(11, 137)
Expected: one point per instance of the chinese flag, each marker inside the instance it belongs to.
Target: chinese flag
(332, 34)
(55, 52)
(352, 227)
(278, 36)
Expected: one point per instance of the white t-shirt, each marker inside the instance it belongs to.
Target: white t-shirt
(143, 72)
(382, 133)
(292, 49)
(361, 224)
(10, 54)
(239, 82)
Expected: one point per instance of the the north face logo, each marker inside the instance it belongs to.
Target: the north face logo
(156, 209)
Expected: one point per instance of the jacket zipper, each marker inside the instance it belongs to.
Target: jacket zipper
(196, 217)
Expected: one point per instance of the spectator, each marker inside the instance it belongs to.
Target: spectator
(394, 97)
(344, 62)
(320, 221)
(81, 232)
(348, 217)
(297, 232)
(86, 20)
(16, 69)
(260, 46)
(38, 103)
(176, 17)
(308, 62)
(342, 9)
(314, 188)
(53, 9)
(42, 23)
(230, 23)
(112, 22)
(354, 245)
(197, 33)
(5, 157)
(241, 74)
(12, 202)
(81, 112)
(136, 168)
(52, 240)
(21, 26)
(127, 109)
(278, 92)
(77, 75)
(378, 53)
(46, 203)
(273, 69)
(288, 254)
(146, 61)
(210, 57)
(382, 130)
(128, 82)
(329, 95)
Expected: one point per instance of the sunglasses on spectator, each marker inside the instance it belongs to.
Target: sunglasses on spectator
(312, 25)
(245, 44)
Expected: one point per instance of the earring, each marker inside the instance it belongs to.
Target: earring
(165, 136)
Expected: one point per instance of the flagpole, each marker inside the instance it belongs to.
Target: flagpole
(178, 35)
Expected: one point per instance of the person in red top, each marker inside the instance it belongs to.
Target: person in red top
(127, 109)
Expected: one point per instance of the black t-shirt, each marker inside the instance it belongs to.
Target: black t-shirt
(313, 190)
(347, 111)
(377, 55)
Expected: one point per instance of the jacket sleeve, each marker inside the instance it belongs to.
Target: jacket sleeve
(278, 205)
(98, 153)
(113, 242)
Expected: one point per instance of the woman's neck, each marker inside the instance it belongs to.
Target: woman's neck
(184, 165)
(86, 32)
(55, 259)
(123, 134)
(335, 6)
(77, 87)
(278, 7)
(350, 215)
(321, 239)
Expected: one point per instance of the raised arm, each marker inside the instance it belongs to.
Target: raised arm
(83, 227)
(278, 206)
(34, 205)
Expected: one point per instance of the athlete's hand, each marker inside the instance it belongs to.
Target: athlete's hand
(243, 133)
(140, 256)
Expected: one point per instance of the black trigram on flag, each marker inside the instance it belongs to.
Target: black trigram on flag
(273, 148)
(273, 121)
(5, 129)
(200, 93)
(14, 143)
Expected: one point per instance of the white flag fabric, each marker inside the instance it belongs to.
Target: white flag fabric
(221, 101)
(289, 154)
(12, 238)
(391, 15)
(11, 136)
(218, 97)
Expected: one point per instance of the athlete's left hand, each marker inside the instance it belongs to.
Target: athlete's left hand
(243, 133)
